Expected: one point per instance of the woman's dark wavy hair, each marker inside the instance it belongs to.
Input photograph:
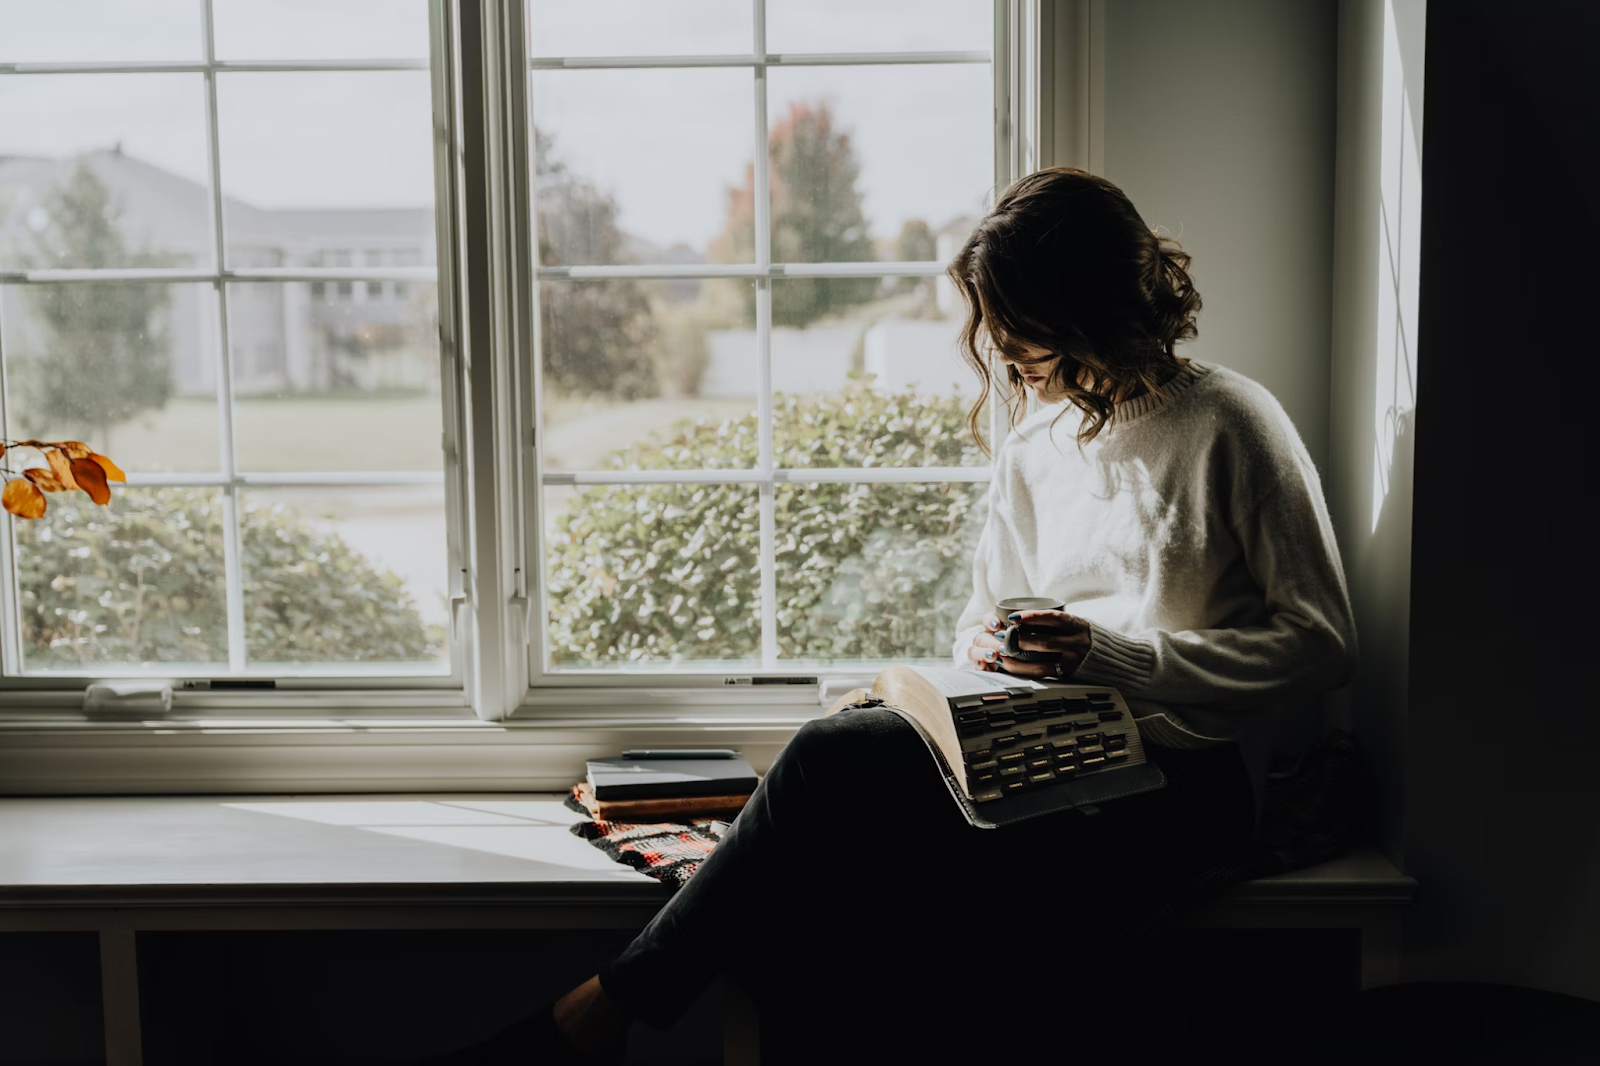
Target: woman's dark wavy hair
(1064, 262)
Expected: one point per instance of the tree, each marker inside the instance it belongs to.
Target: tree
(816, 216)
(663, 573)
(104, 356)
(596, 335)
(915, 244)
(145, 582)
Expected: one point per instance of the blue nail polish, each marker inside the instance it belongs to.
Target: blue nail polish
(1014, 616)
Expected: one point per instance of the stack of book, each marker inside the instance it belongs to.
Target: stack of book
(651, 785)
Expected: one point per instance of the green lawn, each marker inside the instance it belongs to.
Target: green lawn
(383, 433)
(271, 435)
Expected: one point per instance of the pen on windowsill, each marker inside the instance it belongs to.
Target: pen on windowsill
(680, 753)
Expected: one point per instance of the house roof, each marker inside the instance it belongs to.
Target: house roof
(164, 210)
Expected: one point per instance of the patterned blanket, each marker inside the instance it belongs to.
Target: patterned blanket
(668, 851)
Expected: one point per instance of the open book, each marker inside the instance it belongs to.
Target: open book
(1010, 748)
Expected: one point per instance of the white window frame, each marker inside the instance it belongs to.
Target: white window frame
(336, 684)
(496, 724)
(1015, 34)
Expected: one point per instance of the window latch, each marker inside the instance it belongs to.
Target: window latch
(522, 603)
(457, 603)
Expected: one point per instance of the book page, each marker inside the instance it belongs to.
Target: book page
(913, 691)
(952, 682)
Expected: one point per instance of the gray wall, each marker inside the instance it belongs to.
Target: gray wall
(1219, 125)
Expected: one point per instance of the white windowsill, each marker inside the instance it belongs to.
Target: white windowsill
(58, 751)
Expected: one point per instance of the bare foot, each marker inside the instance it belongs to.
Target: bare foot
(594, 1024)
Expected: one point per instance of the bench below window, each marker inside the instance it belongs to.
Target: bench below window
(150, 874)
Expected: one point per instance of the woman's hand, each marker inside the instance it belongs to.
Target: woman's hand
(985, 650)
(1057, 633)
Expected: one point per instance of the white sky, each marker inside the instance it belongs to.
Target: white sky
(666, 144)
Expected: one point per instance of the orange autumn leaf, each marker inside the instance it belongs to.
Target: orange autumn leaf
(61, 467)
(91, 478)
(23, 499)
(113, 471)
(45, 479)
(75, 449)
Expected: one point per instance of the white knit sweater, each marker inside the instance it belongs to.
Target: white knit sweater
(1193, 535)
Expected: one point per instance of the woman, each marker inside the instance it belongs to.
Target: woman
(1170, 505)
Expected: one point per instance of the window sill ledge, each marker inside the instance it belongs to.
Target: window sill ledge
(73, 756)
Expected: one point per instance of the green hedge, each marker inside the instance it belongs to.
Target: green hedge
(660, 573)
(142, 581)
(638, 573)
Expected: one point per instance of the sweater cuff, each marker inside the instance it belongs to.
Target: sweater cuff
(1114, 659)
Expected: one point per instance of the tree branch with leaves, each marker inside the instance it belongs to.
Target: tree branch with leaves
(53, 466)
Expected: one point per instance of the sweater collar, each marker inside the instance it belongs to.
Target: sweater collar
(1187, 377)
(1129, 411)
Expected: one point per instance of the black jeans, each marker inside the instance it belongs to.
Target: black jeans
(851, 877)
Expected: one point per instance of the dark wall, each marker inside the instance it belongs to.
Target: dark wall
(50, 1010)
(309, 998)
(1503, 746)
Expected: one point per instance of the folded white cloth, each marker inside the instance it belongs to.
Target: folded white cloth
(133, 696)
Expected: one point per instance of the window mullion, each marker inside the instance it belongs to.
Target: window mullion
(98, 275)
(232, 545)
(763, 250)
(442, 64)
(496, 266)
(10, 584)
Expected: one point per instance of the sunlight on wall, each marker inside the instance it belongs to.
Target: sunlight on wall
(1399, 247)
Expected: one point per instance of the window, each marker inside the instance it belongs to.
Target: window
(752, 447)
(185, 187)
(733, 444)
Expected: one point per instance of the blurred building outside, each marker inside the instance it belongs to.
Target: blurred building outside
(288, 337)
(897, 352)
(316, 337)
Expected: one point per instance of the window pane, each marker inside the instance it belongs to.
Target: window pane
(880, 25)
(88, 31)
(648, 375)
(870, 376)
(336, 376)
(874, 572)
(129, 368)
(322, 168)
(321, 29)
(653, 575)
(640, 28)
(137, 581)
(884, 162)
(635, 166)
(345, 575)
(103, 170)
